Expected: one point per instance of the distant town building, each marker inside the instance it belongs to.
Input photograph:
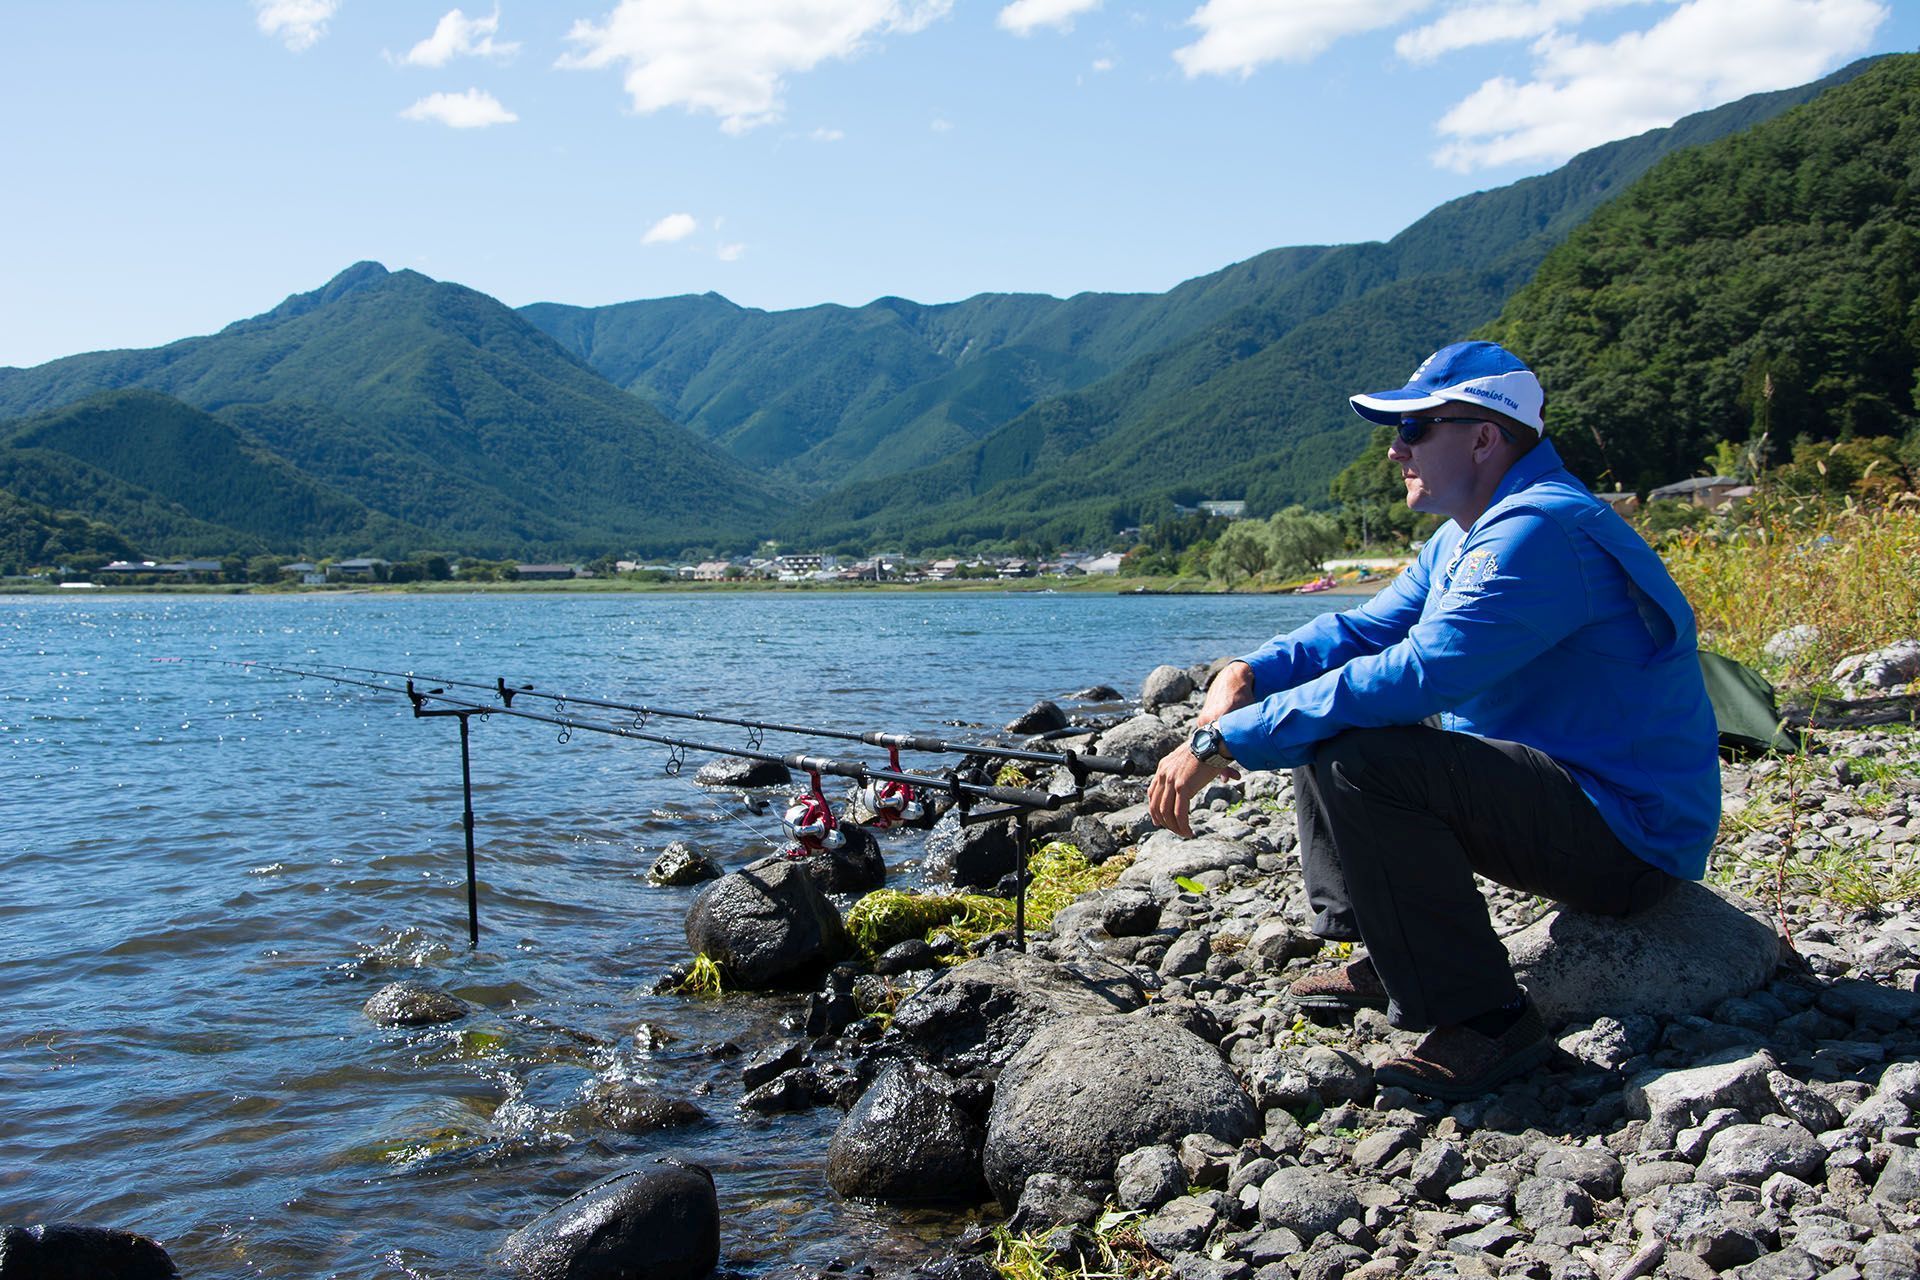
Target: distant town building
(1231, 509)
(359, 568)
(1712, 492)
(711, 571)
(1109, 563)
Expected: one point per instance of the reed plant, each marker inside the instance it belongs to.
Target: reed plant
(1852, 571)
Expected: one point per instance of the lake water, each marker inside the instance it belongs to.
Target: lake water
(208, 870)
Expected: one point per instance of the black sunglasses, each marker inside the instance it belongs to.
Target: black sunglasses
(1414, 430)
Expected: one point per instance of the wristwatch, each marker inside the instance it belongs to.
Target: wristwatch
(1209, 747)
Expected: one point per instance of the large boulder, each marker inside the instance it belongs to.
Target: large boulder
(661, 1221)
(1683, 955)
(1165, 684)
(1164, 855)
(855, 867)
(977, 1014)
(72, 1251)
(1141, 740)
(1086, 1091)
(767, 924)
(1042, 717)
(908, 1139)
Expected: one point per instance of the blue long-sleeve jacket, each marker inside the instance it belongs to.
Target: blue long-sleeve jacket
(1550, 623)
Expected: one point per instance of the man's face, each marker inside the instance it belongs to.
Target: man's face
(1439, 468)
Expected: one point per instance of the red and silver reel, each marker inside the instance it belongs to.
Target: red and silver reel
(892, 802)
(810, 819)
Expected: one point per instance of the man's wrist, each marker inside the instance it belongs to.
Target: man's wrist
(1209, 747)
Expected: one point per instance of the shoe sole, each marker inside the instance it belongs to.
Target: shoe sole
(1520, 1063)
(1340, 1004)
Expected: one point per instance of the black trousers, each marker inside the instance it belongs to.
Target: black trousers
(1394, 823)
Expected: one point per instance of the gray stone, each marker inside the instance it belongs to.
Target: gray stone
(1673, 1099)
(1594, 1171)
(1330, 1261)
(971, 857)
(1899, 1182)
(1335, 1075)
(1086, 1090)
(1787, 1264)
(1888, 1257)
(1784, 646)
(1206, 1160)
(681, 864)
(767, 924)
(413, 1004)
(628, 1106)
(1495, 1238)
(976, 1015)
(1148, 1178)
(1868, 1004)
(1893, 667)
(1437, 1167)
(1374, 1150)
(1901, 1081)
(1308, 1202)
(1165, 684)
(1276, 942)
(1179, 1225)
(734, 771)
(1051, 1200)
(1141, 740)
(1187, 956)
(1108, 913)
(1752, 1153)
(907, 1139)
(1484, 1189)
(1644, 1177)
(1163, 856)
(1551, 1202)
(661, 1221)
(1685, 954)
(1810, 1109)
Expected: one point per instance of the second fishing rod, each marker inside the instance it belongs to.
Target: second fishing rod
(1079, 765)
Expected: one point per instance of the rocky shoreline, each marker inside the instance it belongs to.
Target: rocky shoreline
(1753, 1115)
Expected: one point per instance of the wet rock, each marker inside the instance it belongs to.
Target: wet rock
(681, 864)
(906, 957)
(732, 771)
(1165, 684)
(73, 1251)
(661, 1221)
(970, 857)
(772, 1061)
(1685, 954)
(1141, 740)
(1096, 693)
(1087, 1090)
(767, 924)
(795, 1090)
(631, 1107)
(1042, 717)
(855, 867)
(977, 1014)
(1307, 1202)
(908, 1140)
(1148, 1178)
(414, 1004)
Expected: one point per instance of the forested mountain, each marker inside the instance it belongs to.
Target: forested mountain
(430, 405)
(1766, 285)
(32, 534)
(1255, 406)
(835, 393)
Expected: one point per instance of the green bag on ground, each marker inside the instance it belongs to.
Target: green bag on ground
(1744, 708)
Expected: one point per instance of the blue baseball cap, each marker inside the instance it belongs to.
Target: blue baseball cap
(1476, 373)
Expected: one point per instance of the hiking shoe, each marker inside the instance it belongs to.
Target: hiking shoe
(1458, 1063)
(1355, 986)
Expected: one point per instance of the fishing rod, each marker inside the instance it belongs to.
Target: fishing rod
(1080, 766)
(819, 829)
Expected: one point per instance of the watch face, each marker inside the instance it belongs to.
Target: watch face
(1205, 743)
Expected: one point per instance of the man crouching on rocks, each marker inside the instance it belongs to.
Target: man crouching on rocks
(1524, 701)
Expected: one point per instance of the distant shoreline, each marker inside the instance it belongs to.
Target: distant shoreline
(605, 586)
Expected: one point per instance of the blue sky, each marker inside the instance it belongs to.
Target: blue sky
(176, 166)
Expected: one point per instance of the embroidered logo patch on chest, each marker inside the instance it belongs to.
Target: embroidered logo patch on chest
(1472, 572)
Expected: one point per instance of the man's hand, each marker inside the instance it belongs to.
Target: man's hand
(1230, 690)
(1176, 782)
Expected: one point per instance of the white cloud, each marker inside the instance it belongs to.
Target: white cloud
(730, 252)
(299, 23)
(457, 35)
(940, 125)
(1022, 16)
(1238, 36)
(673, 227)
(733, 59)
(1103, 64)
(1705, 52)
(1491, 21)
(474, 109)
(827, 135)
